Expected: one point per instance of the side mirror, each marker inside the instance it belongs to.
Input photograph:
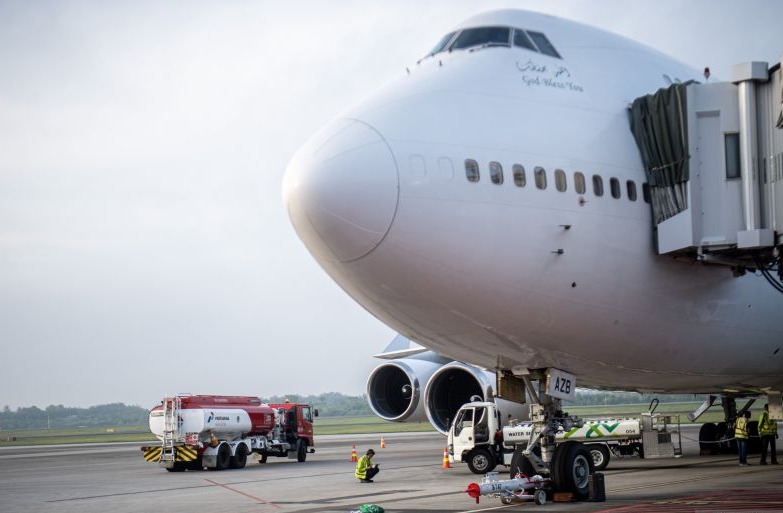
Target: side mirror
(315, 412)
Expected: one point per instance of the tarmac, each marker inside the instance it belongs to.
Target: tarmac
(114, 478)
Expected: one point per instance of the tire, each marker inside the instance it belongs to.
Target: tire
(480, 461)
(539, 497)
(301, 450)
(708, 434)
(601, 455)
(262, 457)
(239, 459)
(223, 457)
(754, 441)
(572, 465)
(725, 438)
(521, 465)
(179, 466)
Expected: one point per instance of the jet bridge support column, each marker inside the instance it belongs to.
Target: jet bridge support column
(745, 75)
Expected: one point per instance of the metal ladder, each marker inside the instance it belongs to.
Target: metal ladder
(171, 407)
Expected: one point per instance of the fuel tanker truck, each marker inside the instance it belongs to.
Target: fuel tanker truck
(218, 432)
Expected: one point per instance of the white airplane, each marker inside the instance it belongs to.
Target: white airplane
(464, 206)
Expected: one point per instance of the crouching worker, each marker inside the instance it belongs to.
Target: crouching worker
(365, 470)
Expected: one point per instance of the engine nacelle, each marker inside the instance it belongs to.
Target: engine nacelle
(457, 383)
(395, 389)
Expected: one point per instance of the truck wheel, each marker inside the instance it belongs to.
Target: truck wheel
(178, 467)
(600, 454)
(223, 457)
(480, 461)
(301, 450)
(239, 459)
(571, 467)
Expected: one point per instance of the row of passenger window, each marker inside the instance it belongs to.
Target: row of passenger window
(561, 181)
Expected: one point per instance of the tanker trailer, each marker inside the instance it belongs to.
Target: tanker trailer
(220, 432)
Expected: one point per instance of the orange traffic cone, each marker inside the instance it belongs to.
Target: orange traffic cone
(446, 462)
(353, 454)
(383, 443)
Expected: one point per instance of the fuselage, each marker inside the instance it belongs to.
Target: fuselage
(490, 205)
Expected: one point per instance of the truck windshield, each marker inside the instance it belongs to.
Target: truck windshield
(464, 420)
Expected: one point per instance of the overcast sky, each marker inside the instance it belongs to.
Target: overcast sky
(144, 248)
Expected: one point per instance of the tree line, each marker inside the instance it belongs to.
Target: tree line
(118, 414)
(331, 404)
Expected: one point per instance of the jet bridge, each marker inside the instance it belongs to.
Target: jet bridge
(713, 155)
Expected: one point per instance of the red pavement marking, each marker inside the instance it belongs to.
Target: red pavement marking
(719, 501)
(262, 501)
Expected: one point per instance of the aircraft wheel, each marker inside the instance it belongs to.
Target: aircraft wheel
(301, 450)
(262, 457)
(708, 434)
(239, 459)
(601, 456)
(754, 441)
(572, 465)
(480, 461)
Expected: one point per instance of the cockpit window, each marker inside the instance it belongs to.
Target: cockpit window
(482, 36)
(442, 43)
(495, 36)
(543, 44)
(521, 39)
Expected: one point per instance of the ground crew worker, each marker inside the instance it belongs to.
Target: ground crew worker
(768, 430)
(741, 435)
(365, 470)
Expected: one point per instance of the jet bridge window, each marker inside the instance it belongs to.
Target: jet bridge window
(560, 180)
(519, 175)
(540, 176)
(472, 170)
(732, 155)
(496, 173)
(543, 44)
(579, 183)
(482, 36)
(614, 186)
(598, 185)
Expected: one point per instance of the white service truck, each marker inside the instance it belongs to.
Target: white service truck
(478, 438)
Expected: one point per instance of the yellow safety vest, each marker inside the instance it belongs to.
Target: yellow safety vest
(767, 426)
(741, 429)
(361, 467)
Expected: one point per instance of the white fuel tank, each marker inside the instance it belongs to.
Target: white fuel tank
(225, 424)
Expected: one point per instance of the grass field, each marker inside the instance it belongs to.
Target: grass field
(337, 425)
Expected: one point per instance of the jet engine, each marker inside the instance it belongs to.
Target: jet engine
(455, 384)
(395, 389)
(417, 384)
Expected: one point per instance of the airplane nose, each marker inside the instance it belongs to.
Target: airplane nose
(341, 190)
